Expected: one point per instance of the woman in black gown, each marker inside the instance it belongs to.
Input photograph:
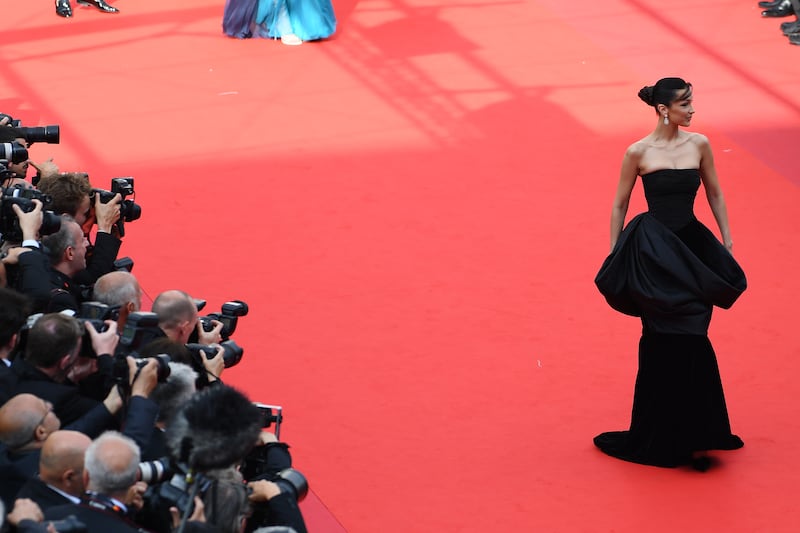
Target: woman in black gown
(670, 270)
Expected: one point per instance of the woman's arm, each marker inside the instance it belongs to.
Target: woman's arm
(627, 179)
(716, 200)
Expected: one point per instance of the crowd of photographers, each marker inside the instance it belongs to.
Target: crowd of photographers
(113, 418)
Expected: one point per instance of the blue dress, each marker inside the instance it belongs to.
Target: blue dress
(670, 270)
(307, 19)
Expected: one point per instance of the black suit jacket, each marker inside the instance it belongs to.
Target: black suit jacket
(8, 380)
(68, 403)
(96, 520)
(99, 259)
(41, 493)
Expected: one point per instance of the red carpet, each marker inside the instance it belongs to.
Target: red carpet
(415, 211)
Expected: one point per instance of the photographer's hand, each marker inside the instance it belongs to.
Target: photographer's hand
(113, 401)
(209, 337)
(107, 214)
(12, 255)
(104, 342)
(265, 437)
(146, 381)
(198, 514)
(81, 368)
(31, 221)
(262, 490)
(45, 169)
(216, 364)
(25, 509)
(135, 496)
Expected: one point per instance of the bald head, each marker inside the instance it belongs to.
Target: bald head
(111, 464)
(177, 314)
(26, 421)
(61, 462)
(118, 289)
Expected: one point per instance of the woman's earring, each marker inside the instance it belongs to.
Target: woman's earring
(666, 120)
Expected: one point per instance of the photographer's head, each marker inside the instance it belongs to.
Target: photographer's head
(14, 310)
(61, 461)
(53, 344)
(119, 289)
(111, 464)
(177, 314)
(226, 503)
(70, 192)
(172, 394)
(67, 247)
(26, 421)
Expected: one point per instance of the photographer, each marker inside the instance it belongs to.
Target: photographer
(14, 311)
(71, 193)
(178, 318)
(52, 366)
(110, 467)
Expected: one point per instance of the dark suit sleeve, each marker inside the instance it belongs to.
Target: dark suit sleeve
(34, 278)
(140, 421)
(284, 511)
(101, 261)
(94, 422)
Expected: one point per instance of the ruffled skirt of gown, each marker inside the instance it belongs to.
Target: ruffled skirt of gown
(672, 280)
(308, 19)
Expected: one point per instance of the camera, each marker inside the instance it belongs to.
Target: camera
(121, 372)
(152, 472)
(128, 209)
(46, 134)
(13, 152)
(9, 223)
(229, 316)
(231, 355)
(178, 492)
(273, 414)
(141, 327)
(41, 134)
(96, 313)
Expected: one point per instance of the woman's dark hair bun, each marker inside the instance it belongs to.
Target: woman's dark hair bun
(646, 94)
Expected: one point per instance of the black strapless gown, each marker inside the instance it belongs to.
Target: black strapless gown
(670, 270)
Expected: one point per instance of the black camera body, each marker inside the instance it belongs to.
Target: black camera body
(13, 152)
(141, 327)
(121, 371)
(37, 134)
(229, 316)
(9, 223)
(231, 355)
(174, 487)
(128, 209)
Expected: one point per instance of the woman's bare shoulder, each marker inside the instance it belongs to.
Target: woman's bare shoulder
(697, 138)
(637, 149)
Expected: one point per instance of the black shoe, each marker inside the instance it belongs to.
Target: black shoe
(784, 9)
(792, 27)
(789, 23)
(102, 6)
(768, 5)
(63, 9)
(794, 38)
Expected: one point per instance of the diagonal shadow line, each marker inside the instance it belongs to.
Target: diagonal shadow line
(719, 58)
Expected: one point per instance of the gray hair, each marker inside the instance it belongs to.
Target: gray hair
(56, 243)
(171, 395)
(104, 476)
(117, 288)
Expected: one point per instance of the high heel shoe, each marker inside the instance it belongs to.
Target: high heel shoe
(767, 5)
(784, 9)
(63, 9)
(794, 27)
(102, 6)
